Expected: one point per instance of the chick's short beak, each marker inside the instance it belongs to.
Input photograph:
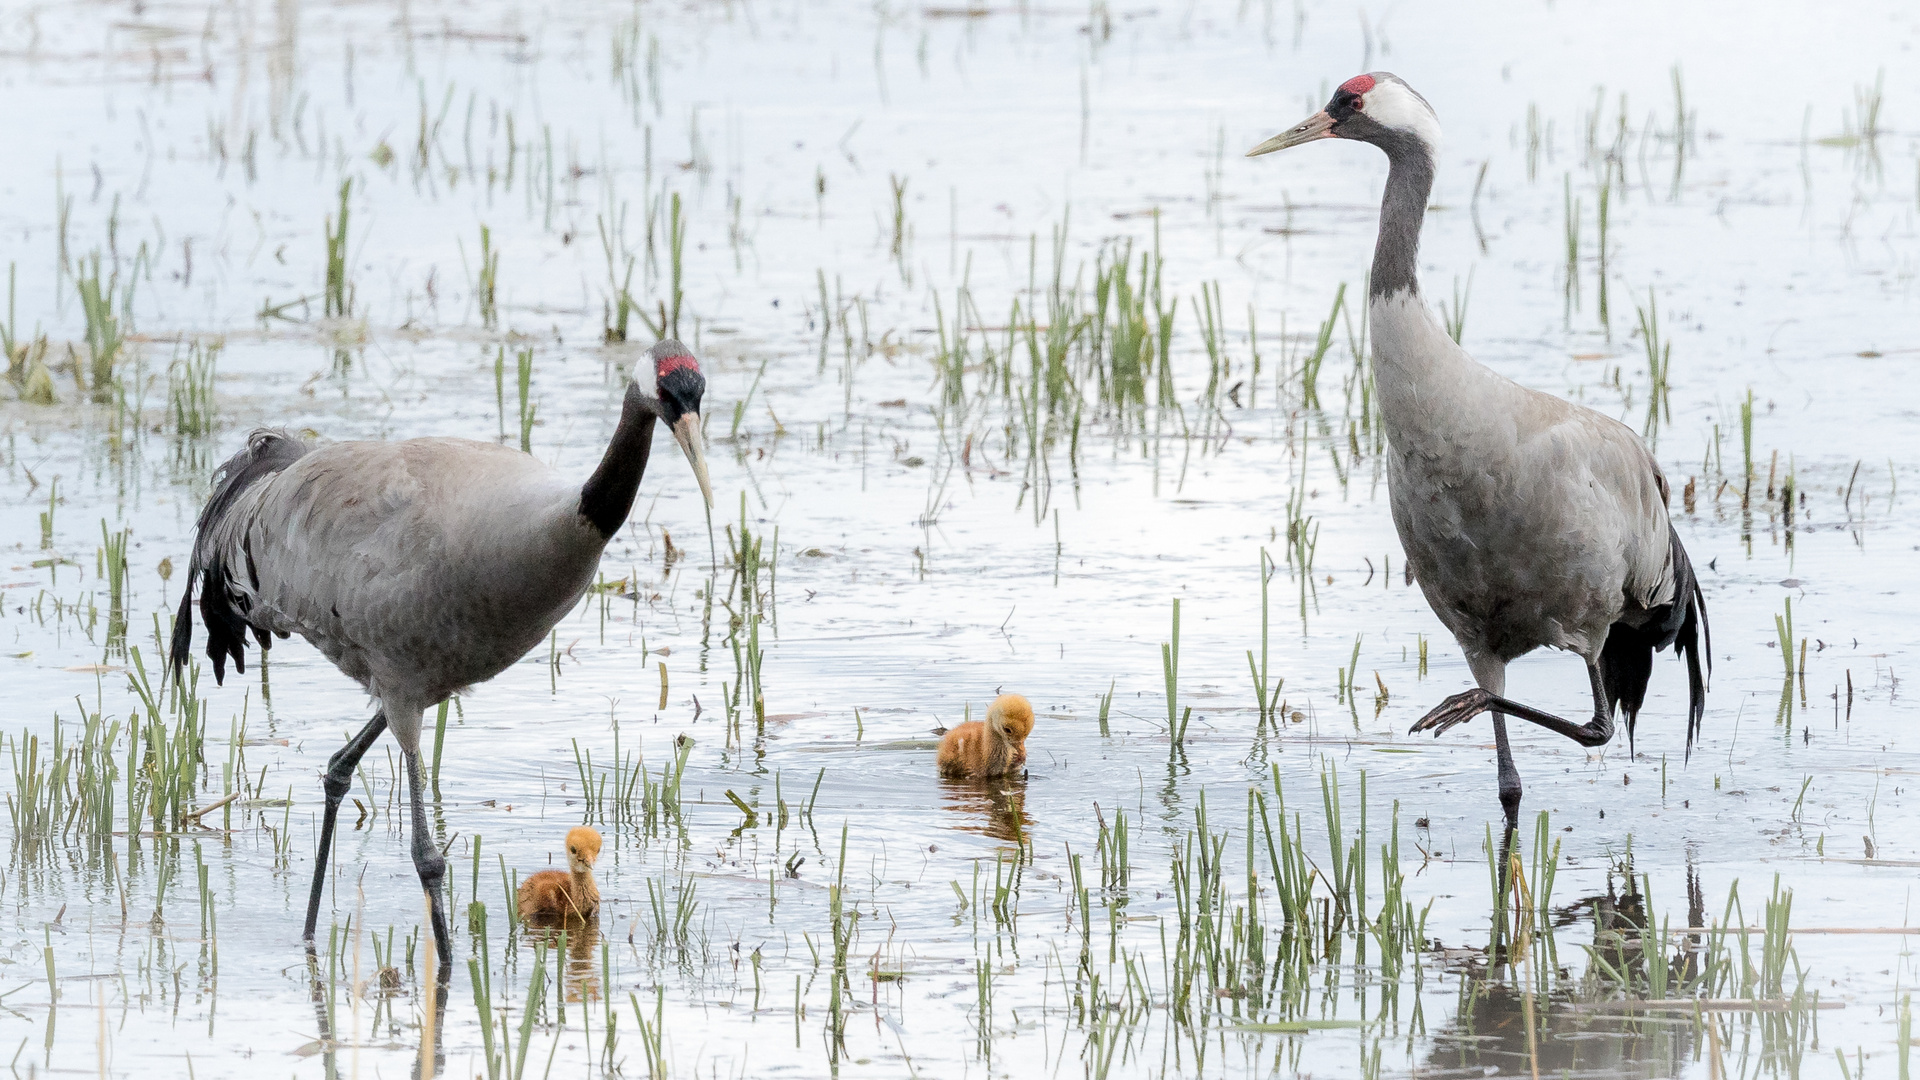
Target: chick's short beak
(686, 432)
(1317, 126)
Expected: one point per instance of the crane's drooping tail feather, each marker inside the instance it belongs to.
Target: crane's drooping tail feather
(268, 451)
(1694, 640)
(1626, 661)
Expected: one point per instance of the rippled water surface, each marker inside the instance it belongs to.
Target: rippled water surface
(956, 451)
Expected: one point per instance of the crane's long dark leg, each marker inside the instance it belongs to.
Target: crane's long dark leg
(432, 868)
(427, 860)
(338, 781)
(1509, 775)
(1491, 673)
(1463, 707)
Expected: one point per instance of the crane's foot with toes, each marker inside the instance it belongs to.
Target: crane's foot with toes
(1457, 709)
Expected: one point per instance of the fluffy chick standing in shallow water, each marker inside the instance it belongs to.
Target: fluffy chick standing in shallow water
(996, 746)
(569, 893)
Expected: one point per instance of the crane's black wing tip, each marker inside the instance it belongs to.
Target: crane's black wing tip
(268, 451)
(182, 644)
(226, 626)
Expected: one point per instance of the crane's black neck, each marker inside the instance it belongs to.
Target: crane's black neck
(607, 497)
(1403, 210)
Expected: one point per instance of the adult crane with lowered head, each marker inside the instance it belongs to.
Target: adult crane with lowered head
(417, 567)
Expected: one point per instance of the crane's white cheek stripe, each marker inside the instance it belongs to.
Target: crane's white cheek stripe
(1393, 105)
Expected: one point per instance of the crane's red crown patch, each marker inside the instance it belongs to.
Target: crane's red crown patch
(670, 364)
(1359, 84)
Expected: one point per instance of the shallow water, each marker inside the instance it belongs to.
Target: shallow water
(932, 538)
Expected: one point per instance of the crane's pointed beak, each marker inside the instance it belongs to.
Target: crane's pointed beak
(1317, 126)
(686, 432)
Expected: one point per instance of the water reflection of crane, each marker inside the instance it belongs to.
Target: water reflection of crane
(1520, 1013)
(579, 940)
(1489, 1036)
(994, 808)
(575, 938)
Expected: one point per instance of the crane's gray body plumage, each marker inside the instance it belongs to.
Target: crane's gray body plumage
(1528, 520)
(418, 568)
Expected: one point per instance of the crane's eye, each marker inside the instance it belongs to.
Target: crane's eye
(1358, 104)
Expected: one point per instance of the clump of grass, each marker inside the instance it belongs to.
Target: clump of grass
(898, 186)
(625, 792)
(190, 390)
(1456, 316)
(8, 345)
(339, 290)
(1746, 446)
(740, 407)
(1867, 101)
(1208, 314)
(528, 409)
(38, 802)
(1861, 126)
(653, 1034)
(1783, 630)
(1310, 367)
(668, 321)
(1266, 692)
(67, 793)
(28, 372)
(1170, 667)
(1122, 332)
(1572, 209)
(1659, 364)
(485, 289)
(46, 516)
(620, 306)
(1605, 205)
(112, 566)
(749, 555)
(99, 300)
(673, 916)
(498, 1047)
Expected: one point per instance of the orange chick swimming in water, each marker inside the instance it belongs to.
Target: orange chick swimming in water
(565, 893)
(996, 746)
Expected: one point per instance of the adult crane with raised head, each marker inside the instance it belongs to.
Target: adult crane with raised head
(1528, 520)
